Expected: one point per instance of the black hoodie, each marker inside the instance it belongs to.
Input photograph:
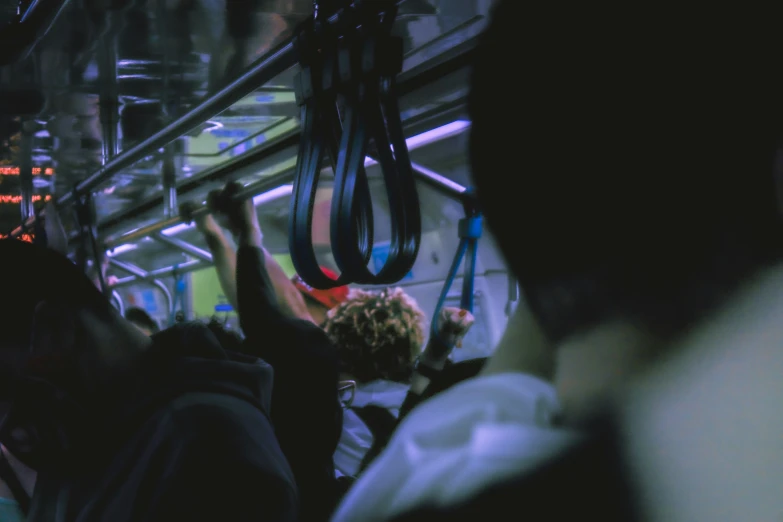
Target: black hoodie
(191, 440)
(305, 408)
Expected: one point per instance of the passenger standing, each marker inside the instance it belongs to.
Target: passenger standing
(378, 336)
(644, 228)
(305, 411)
(123, 427)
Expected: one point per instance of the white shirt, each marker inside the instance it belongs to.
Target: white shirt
(356, 438)
(455, 444)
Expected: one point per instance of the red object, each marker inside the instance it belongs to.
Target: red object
(329, 298)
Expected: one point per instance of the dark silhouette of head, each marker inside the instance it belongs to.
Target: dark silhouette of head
(627, 169)
(61, 340)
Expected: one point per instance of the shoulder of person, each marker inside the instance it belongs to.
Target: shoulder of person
(312, 339)
(592, 473)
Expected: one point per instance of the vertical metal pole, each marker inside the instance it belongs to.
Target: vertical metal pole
(170, 104)
(170, 181)
(109, 106)
(82, 251)
(26, 171)
(109, 95)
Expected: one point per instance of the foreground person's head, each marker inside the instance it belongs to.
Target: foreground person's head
(631, 188)
(60, 341)
(378, 334)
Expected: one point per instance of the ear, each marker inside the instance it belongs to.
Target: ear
(54, 329)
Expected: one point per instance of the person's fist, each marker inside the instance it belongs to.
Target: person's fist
(238, 216)
(455, 323)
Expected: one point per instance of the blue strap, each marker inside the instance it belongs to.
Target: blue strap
(470, 229)
(180, 286)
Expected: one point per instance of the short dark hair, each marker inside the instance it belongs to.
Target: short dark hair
(34, 274)
(626, 169)
(140, 317)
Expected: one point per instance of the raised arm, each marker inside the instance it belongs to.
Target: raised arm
(453, 325)
(243, 222)
(223, 256)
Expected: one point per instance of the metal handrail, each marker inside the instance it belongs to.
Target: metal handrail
(249, 191)
(182, 268)
(283, 146)
(430, 178)
(263, 71)
(271, 65)
(409, 82)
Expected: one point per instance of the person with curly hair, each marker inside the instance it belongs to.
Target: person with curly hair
(378, 335)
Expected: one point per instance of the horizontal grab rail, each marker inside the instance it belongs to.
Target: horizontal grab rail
(265, 70)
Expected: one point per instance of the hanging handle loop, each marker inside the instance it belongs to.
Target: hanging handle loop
(469, 229)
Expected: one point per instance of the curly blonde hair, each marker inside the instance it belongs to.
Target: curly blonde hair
(378, 334)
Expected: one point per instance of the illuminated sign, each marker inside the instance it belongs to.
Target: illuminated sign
(37, 171)
(28, 238)
(17, 200)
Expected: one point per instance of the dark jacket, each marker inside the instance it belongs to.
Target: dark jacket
(305, 408)
(190, 440)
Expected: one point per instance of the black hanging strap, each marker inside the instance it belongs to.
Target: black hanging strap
(346, 91)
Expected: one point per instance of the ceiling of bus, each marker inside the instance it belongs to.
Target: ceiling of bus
(172, 54)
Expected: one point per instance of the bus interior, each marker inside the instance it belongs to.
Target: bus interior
(346, 123)
(172, 100)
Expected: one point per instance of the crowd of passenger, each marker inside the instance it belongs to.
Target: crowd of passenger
(640, 380)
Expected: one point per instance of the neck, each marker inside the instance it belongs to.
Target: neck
(594, 365)
(522, 349)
